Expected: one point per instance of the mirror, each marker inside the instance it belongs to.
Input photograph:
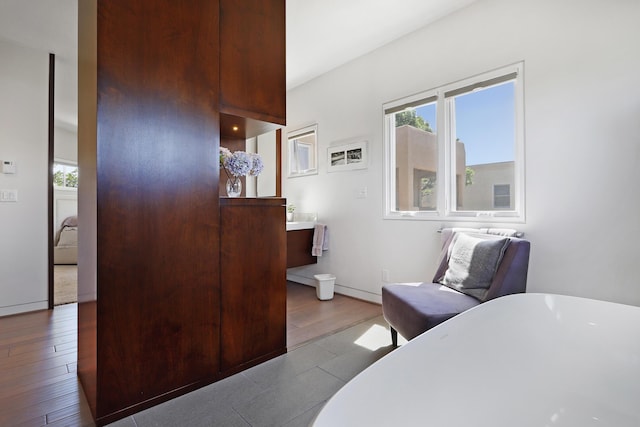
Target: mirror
(267, 184)
(303, 151)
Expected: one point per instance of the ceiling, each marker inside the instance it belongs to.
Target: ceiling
(321, 35)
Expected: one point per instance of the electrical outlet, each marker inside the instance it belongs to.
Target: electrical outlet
(385, 275)
(8, 195)
(361, 193)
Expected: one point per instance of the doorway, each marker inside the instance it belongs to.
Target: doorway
(65, 226)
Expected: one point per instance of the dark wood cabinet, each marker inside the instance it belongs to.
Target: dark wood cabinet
(253, 279)
(299, 244)
(252, 59)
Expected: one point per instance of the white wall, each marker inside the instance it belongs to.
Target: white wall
(24, 139)
(582, 110)
(266, 147)
(65, 144)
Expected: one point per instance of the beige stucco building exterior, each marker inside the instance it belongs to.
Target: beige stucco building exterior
(417, 159)
(417, 165)
(492, 188)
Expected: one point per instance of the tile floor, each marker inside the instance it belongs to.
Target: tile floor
(286, 391)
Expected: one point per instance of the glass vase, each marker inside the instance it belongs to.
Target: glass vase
(234, 187)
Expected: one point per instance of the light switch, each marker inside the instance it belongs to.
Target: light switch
(361, 193)
(8, 195)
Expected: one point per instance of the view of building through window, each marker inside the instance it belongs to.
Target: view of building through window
(416, 159)
(485, 125)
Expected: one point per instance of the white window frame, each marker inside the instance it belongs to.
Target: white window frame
(312, 151)
(445, 127)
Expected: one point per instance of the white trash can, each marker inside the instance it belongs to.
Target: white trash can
(324, 288)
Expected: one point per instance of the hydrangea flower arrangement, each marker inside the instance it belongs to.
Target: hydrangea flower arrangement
(240, 163)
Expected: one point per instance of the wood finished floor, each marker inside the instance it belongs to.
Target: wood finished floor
(38, 353)
(309, 318)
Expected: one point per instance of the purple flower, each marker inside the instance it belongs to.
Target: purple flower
(240, 163)
(224, 155)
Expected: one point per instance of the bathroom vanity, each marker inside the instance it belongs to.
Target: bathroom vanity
(299, 243)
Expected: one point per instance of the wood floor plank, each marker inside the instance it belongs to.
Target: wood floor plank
(34, 345)
(33, 357)
(35, 335)
(309, 318)
(22, 321)
(79, 411)
(33, 422)
(82, 419)
(19, 415)
(45, 393)
(62, 360)
(18, 380)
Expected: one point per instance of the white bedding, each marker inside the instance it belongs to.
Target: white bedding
(65, 250)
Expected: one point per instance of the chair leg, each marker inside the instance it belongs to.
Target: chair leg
(394, 337)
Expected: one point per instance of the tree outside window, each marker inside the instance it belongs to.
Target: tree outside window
(65, 175)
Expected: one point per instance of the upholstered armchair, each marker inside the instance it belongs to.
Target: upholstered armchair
(473, 267)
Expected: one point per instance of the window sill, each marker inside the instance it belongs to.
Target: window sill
(477, 217)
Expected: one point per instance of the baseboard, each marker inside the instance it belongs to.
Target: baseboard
(339, 289)
(292, 277)
(358, 294)
(23, 308)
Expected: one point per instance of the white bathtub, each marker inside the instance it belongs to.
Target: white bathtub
(518, 361)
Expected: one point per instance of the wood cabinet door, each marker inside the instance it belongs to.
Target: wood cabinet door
(253, 281)
(299, 244)
(252, 59)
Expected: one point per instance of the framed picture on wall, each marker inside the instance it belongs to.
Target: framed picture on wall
(347, 157)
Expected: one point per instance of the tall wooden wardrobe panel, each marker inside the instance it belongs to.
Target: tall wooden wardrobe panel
(157, 320)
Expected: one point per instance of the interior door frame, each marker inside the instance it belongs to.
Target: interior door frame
(52, 72)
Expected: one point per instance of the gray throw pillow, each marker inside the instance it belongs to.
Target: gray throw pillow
(473, 262)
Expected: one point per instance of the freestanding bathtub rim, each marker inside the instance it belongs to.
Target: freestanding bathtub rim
(520, 360)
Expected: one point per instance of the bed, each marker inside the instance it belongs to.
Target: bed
(65, 249)
(526, 360)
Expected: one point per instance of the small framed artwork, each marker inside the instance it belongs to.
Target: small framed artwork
(347, 157)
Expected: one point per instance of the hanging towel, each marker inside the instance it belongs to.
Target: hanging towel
(320, 240)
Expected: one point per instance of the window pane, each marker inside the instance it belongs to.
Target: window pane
(502, 196)
(485, 147)
(302, 153)
(65, 175)
(71, 177)
(58, 175)
(416, 148)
